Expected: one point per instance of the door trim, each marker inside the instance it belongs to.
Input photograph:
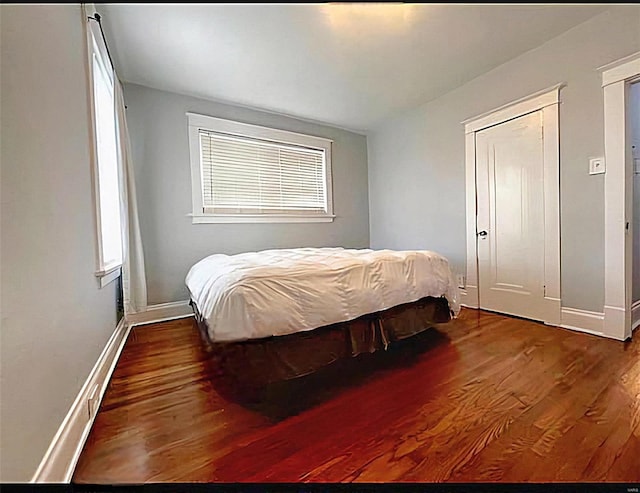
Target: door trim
(618, 197)
(547, 100)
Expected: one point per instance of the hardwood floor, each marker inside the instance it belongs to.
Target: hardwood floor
(483, 398)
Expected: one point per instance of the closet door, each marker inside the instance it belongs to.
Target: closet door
(510, 220)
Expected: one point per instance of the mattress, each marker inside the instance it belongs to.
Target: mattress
(278, 292)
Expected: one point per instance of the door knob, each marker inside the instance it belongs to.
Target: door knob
(482, 234)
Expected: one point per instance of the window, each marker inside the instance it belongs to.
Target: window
(247, 173)
(106, 175)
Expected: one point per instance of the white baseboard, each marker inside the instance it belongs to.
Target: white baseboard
(470, 307)
(60, 460)
(161, 312)
(583, 321)
(635, 315)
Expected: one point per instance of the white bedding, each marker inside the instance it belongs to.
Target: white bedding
(277, 292)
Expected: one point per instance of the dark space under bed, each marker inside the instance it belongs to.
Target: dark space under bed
(274, 359)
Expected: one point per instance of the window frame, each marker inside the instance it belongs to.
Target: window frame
(105, 272)
(208, 123)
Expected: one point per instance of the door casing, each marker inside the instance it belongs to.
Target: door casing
(618, 198)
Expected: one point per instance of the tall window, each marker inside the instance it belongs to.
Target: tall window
(246, 173)
(107, 178)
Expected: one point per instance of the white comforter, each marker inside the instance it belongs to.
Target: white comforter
(277, 292)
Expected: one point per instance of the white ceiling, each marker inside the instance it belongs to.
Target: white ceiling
(350, 65)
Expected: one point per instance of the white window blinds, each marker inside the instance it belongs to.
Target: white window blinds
(244, 175)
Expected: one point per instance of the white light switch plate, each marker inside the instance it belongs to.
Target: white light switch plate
(460, 279)
(596, 166)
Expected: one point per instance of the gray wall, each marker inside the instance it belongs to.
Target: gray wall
(172, 244)
(416, 159)
(634, 122)
(55, 319)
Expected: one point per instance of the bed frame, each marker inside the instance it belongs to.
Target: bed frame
(259, 362)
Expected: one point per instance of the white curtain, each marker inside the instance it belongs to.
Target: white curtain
(134, 283)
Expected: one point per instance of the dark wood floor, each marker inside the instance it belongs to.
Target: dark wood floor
(482, 398)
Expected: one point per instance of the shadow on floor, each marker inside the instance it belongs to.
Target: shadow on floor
(280, 400)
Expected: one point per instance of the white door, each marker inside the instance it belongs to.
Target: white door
(510, 220)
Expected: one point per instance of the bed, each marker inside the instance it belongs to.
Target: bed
(280, 314)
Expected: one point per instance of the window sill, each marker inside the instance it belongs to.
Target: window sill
(246, 218)
(109, 275)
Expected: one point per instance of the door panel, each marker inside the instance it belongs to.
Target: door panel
(510, 192)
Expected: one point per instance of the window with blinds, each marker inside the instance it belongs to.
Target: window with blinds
(243, 175)
(245, 171)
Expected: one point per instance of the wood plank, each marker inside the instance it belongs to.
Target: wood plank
(485, 397)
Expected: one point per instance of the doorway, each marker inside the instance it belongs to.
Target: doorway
(513, 224)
